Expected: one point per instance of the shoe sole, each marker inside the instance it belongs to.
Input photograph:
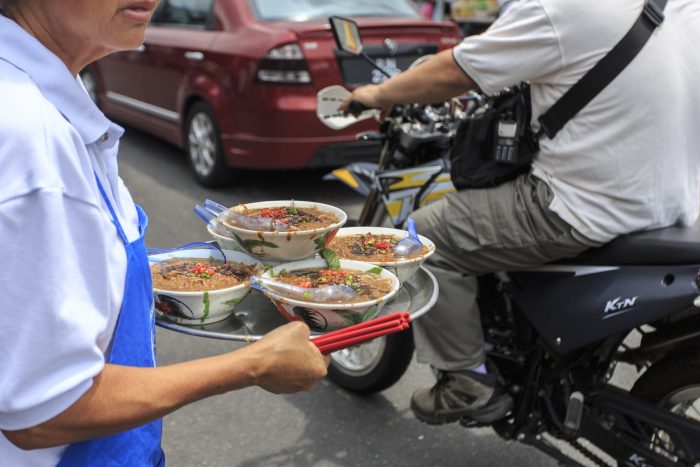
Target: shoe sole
(492, 412)
(486, 415)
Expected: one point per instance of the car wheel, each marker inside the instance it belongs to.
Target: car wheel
(203, 146)
(90, 83)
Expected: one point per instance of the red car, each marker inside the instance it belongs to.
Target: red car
(234, 82)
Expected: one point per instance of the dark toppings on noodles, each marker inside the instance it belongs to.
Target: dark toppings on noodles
(368, 247)
(368, 285)
(193, 275)
(295, 218)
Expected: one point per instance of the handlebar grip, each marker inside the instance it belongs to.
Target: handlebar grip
(355, 108)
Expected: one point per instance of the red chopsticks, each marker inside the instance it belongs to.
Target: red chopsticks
(362, 332)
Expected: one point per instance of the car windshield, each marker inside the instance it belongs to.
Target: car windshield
(302, 10)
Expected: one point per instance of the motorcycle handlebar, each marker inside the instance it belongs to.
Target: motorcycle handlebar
(355, 108)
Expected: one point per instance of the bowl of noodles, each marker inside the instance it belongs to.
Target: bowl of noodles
(375, 245)
(373, 285)
(276, 231)
(197, 286)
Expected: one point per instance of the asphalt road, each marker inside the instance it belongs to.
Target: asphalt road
(251, 427)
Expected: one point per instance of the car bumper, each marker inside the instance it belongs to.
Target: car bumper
(296, 153)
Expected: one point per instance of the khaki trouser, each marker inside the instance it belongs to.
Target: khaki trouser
(476, 232)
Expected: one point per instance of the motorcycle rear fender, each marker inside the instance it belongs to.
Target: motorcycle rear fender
(582, 305)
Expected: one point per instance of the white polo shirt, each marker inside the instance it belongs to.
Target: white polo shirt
(630, 160)
(64, 264)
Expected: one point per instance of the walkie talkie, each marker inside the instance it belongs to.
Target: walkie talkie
(505, 147)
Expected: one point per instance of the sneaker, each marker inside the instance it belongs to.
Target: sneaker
(459, 394)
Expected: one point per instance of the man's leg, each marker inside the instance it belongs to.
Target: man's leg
(476, 232)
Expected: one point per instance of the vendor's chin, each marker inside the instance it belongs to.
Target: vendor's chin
(132, 39)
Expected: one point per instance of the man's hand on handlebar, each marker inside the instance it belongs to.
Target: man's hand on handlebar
(363, 98)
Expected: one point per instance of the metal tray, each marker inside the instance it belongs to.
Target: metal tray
(256, 315)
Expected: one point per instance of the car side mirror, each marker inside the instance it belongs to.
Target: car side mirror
(347, 35)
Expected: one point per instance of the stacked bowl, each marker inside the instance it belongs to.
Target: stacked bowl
(297, 250)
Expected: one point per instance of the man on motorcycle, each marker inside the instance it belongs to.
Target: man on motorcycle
(628, 161)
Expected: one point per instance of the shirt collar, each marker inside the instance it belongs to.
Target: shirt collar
(54, 80)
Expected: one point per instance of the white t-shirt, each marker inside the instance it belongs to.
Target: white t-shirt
(64, 264)
(630, 160)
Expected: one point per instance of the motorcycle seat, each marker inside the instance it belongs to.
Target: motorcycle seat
(667, 246)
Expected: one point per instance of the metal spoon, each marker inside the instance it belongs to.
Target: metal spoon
(331, 293)
(411, 244)
(226, 215)
(214, 248)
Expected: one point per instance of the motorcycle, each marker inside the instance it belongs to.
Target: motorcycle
(413, 170)
(558, 332)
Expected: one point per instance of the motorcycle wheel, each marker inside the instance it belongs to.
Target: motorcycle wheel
(674, 384)
(376, 365)
(373, 366)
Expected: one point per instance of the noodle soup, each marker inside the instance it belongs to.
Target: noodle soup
(375, 287)
(375, 245)
(293, 218)
(189, 287)
(199, 274)
(307, 227)
(368, 285)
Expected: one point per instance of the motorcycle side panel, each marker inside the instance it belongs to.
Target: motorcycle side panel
(359, 176)
(579, 306)
(400, 188)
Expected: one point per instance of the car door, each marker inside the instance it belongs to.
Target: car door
(122, 77)
(175, 45)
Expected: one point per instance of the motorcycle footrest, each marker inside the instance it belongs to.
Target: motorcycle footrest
(574, 411)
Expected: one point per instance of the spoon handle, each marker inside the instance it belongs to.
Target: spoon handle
(188, 246)
(214, 207)
(411, 225)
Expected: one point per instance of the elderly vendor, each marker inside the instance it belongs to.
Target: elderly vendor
(78, 382)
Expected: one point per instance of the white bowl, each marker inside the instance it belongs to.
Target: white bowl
(329, 316)
(226, 243)
(283, 246)
(204, 307)
(404, 268)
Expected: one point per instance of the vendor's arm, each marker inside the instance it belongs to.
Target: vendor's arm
(62, 275)
(436, 80)
(284, 361)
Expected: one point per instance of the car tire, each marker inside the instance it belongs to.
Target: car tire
(203, 146)
(89, 78)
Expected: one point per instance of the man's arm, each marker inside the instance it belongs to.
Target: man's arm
(436, 80)
(122, 397)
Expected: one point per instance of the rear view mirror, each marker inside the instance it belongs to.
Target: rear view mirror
(347, 35)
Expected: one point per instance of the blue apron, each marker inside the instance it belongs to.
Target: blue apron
(133, 344)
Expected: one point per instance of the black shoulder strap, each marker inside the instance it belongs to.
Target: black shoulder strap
(604, 71)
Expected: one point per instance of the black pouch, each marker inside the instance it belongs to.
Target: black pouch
(495, 143)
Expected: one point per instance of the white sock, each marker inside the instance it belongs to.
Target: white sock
(481, 369)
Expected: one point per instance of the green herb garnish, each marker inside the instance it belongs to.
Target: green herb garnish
(331, 258)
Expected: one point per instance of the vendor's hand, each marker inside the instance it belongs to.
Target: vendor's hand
(290, 361)
(369, 96)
